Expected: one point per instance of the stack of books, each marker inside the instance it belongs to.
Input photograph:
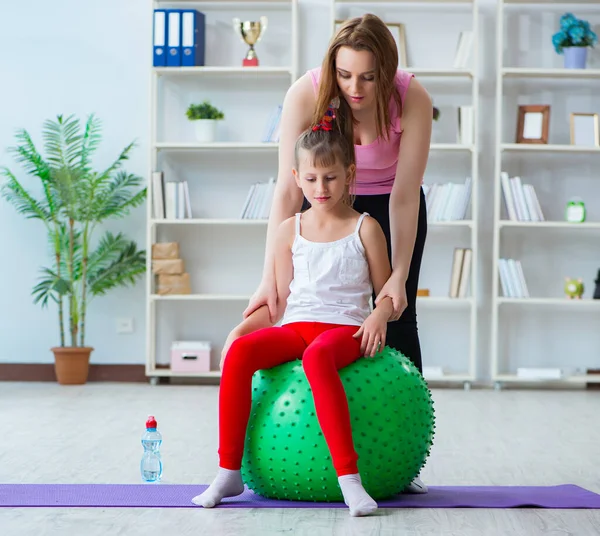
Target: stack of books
(447, 202)
(461, 272)
(258, 201)
(512, 279)
(522, 203)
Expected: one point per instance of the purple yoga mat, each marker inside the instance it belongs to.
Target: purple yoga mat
(179, 496)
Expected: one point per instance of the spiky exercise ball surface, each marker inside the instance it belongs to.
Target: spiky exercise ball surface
(286, 456)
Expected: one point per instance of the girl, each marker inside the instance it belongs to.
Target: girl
(328, 261)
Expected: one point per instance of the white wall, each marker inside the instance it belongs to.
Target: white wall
(79, 58)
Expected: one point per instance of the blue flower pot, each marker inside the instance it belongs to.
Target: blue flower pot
(575, 57)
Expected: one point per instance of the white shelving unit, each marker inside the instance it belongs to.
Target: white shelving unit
(228, 152)
(535, 305)
(343, 9)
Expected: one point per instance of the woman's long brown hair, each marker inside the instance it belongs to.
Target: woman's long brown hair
(370, 33)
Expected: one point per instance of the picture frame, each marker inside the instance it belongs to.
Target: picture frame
(585, 130)
(533, 123)
(398, 31)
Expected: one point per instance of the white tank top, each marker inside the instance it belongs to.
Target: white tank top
(331, 283)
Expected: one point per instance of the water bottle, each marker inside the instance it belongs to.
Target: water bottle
(151, 465)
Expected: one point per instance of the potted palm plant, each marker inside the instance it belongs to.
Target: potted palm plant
(74, 201)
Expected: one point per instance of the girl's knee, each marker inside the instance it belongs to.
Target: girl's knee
(315, 359)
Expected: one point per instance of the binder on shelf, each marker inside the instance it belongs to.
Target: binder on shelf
(160, 38)
(193, 38)
(174, 38)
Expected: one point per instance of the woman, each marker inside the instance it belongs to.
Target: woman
(389, 116)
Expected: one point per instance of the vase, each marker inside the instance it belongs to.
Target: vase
(71, 364)
(575, 57)
(206, 130)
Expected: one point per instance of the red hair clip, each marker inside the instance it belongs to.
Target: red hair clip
(327, 122)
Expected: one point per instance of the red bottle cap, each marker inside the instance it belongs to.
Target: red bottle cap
(151, 422)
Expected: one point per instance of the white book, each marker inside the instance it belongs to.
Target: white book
(465, 274)
(466, 198)
(269, 198)
(171, 200)
(457, 262)
(180, 201)
(158, 195)
(438, 202)
(536, 203)
(463, 52)
(465, 125)
(188, 201)
(508, 197)
(521, 198)
(446, 209)
(515, 280)
(247, 202)
(503, 278)
(522, 281)
(531, 208)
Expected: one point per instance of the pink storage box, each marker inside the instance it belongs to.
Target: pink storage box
(190, 356)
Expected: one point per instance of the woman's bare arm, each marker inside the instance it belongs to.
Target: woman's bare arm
(298, 107)
(417, 119)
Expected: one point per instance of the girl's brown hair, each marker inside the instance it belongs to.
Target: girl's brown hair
(327, 148)
(369, 33)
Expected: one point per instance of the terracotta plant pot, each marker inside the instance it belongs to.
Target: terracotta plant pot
(71, 364)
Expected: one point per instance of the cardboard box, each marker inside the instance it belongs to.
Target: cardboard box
(165, 250)
(168, 266)
(190, 356)
(173, 284)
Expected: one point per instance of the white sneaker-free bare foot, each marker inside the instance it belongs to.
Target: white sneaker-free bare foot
(355, 496)
(228, 483)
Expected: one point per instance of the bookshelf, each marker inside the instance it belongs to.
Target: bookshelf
(531, 337)
(437, 72)
(219, 174)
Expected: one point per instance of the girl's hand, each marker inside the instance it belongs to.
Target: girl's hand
(373, 331)
(233, 335)
(395, 288)
(266, 294)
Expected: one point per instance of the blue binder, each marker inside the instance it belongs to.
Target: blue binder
(173, 37)
(159, 38)
(193, 38)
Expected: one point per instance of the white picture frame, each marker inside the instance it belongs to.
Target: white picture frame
(585, 130)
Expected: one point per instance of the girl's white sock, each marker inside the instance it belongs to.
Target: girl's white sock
(228, 483)
(355, 496)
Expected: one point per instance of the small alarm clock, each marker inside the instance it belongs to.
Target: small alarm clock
(575, 210)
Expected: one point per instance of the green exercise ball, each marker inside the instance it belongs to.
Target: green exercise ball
(286, 456)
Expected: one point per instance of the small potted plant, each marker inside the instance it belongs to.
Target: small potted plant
(205, 117)
(75, 201)
(573, 39)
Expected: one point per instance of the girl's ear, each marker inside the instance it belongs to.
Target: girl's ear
(296, 177)
(351, 171)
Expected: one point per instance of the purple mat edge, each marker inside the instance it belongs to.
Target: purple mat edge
(567, 496)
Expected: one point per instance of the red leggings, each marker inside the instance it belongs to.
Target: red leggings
(324, 349)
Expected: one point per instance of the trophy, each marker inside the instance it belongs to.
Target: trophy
(250, 33)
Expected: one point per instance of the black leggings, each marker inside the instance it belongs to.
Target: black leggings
(402, 334)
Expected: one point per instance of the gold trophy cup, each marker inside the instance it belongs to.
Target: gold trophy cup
(250, 33)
